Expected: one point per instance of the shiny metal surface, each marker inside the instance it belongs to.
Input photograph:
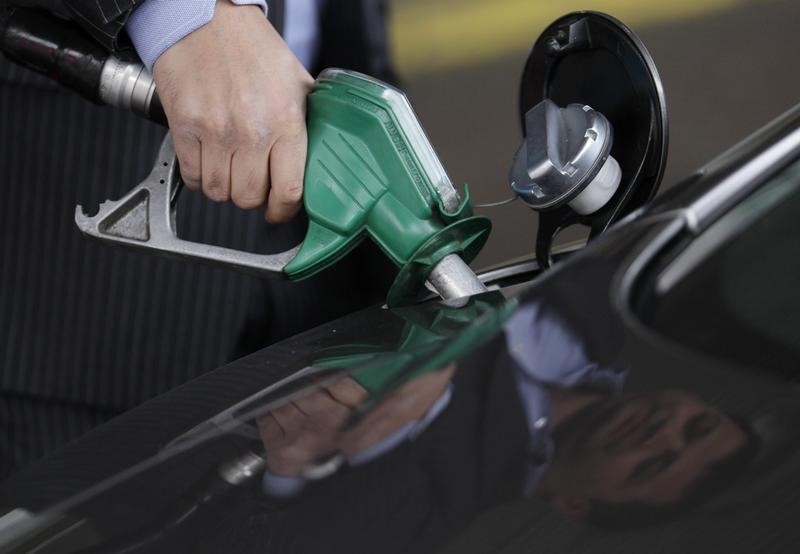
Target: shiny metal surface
(726, 179)
(452, 278)
(126, 85)
(563, 150)
(522, 272)
(752, 173)
(241, 469)
(146, 218)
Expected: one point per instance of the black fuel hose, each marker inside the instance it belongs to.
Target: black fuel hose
(62, 51)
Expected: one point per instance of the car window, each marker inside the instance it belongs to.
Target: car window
(734, 292)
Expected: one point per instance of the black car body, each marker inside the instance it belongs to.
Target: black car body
(694, 293)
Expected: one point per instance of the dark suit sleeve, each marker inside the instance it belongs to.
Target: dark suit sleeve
(103, 19)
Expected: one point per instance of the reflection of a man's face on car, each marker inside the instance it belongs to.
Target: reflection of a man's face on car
(634, 450)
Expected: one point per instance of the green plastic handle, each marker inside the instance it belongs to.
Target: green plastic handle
(371, 171)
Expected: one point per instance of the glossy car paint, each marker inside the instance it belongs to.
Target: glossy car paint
(151, 479)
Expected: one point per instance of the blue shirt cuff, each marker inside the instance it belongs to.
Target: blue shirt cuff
(281, 486)
(407, 432)
(156, 25)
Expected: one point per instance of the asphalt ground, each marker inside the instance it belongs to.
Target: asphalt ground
(728, 68)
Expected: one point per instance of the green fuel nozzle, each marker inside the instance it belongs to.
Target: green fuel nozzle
(370, 172)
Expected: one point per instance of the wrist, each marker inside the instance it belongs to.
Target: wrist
(155, 25)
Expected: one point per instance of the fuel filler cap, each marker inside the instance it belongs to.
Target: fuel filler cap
(565, 158)
(594, 119)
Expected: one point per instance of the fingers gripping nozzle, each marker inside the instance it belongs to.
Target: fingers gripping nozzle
(370, 172)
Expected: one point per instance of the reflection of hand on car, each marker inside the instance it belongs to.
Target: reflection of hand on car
(299, 433)
(409, 403)
(307, 429)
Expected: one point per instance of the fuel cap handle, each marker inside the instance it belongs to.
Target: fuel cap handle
(565, 159)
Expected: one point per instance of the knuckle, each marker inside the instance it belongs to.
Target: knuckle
(188, 157)
(295, 113)
(290, 117)
(215, 194)
(249, 194)
(217, 126)
(189, 167)
(224, 133)
(190, 179)
(290, 192)
(188, 118)
(214, 188)
(246, 203)
(254, 132)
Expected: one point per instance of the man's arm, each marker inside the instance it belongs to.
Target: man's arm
(234, 96)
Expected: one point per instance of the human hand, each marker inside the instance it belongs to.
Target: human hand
(234, 95)
(299, 433)
(302, 432)
(408, 403)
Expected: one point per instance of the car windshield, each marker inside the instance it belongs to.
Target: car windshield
(732, 292)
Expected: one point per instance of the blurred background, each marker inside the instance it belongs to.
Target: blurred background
(728, 67)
